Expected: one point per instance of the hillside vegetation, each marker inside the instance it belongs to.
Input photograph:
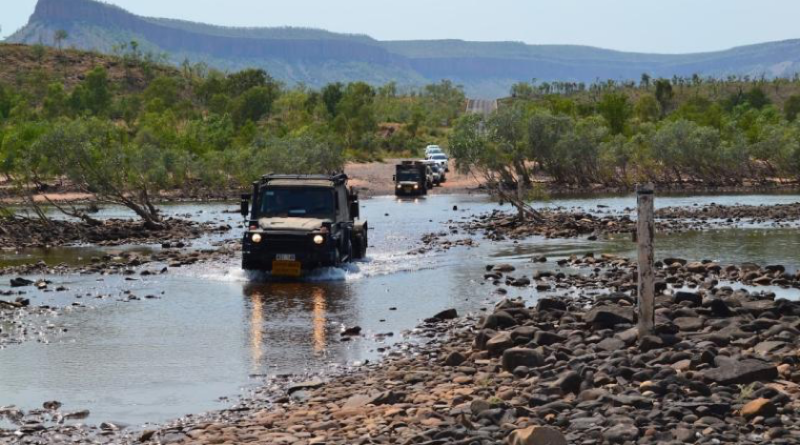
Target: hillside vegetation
(126, 128)
(316, 57)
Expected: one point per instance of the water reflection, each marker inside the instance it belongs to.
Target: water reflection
(296, 315)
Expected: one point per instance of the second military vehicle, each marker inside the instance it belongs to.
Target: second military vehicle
(412, 178)
(301, 222)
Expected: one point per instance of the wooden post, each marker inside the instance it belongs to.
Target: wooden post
(646, 285)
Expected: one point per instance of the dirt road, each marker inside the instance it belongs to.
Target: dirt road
(375, 178)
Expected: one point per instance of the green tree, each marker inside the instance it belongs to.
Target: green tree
(616, 110)
(647, 108)
(791, 108)
(253, 105)
(332, 94)
(664, 94)
(238, 83)
(59, 37)
(93, 95)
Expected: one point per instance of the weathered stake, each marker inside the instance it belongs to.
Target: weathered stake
(646, 285)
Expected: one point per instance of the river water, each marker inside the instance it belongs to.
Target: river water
(212, 331)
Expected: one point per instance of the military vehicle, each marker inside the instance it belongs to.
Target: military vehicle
(412, 178)
(301, 222)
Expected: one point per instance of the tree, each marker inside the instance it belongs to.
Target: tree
(616, 111)
(791, 108)
(59, 37)
(96, 157)
(253, 105)
(645, 82)
(238, 83)
(331, 96)
(647, 108)
(93, 95)
(664, 94)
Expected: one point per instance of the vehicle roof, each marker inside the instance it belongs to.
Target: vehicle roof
(300, 183)
(439, 154)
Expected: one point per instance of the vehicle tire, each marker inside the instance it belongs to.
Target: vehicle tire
(359, 242)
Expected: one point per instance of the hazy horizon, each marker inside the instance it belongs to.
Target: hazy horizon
(624, 25)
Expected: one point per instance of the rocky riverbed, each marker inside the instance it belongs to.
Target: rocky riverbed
(16, 232)
(721, 367)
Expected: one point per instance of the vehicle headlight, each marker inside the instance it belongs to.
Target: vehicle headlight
(319, 239)
(256, 238)
(416, 186)
(399, 186)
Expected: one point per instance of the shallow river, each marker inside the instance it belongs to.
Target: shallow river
(213, 331)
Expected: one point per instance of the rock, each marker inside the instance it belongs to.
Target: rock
(684, 435)
(689, 324)
(569, 383)
(609, 316)
(742, 372)
(447, 314)
(353, 331)
(759, 407)
(302, 386)
(611, 344)
(550, 304)
(650, 342)
(51, 405)
(544, 338)
(527, 357)
(76, 415)
(621, 433)
(696, 267)
(499, 343)
(504, 268)
(454, 358)
(387, 398)
(20, 282)
(499, 319)
(691, 297)
(536, 435)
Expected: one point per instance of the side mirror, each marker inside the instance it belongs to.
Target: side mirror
(354, 209)
(245, 205)
(394, 178)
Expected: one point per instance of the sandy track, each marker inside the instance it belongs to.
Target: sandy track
(375, 178)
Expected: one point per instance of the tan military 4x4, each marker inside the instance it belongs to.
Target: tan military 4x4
(301, 222)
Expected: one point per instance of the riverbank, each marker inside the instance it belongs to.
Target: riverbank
(721, 367)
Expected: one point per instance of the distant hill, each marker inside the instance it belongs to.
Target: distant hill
(316, 57)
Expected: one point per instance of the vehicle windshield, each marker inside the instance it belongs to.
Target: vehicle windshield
(408, 175)
(300, 202)
(438, 157)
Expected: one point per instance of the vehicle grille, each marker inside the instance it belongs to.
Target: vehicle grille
(286, 243)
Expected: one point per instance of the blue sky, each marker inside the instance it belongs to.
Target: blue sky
(674, 26)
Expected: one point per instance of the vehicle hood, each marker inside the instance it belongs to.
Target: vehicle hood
(299, 224)
(408, 182)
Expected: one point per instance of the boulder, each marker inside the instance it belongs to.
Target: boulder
(499, 319)
(759, 407)
(691, 297)
(536, 435)
(447, 314)
(544, 338)
(550, 304)
(514, 357)
(20, 282)
(621, 433)
(454, 358)
(742, 372)
(609, 316)
(499, 343)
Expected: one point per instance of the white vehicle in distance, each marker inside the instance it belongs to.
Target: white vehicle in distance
(440, 159)
(438, 171)
(432, 149)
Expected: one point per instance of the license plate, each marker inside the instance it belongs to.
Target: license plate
(286, 268)
(285, 257)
